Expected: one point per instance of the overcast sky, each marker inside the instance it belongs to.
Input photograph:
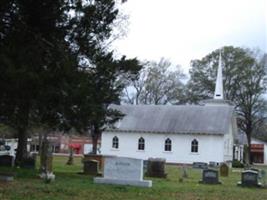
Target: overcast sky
(181, 30)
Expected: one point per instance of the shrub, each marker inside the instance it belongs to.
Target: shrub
(237, 164)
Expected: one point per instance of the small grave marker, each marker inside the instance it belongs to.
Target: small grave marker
(7, 161)
(210, 176)
(200, 165)
(224, 170)
(5, 176)
(91, 167)
(249, 178)
(156, 168)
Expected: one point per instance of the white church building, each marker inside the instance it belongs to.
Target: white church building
(180, 134)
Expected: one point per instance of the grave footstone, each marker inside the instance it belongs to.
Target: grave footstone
(263, 177)
(7, 161)
(200, 165)
(213, 164)
(224, 170)
(210, 176)
(91, 167)
(249, 178)
(123, 171)
(7, 176)
(184, 172)
(156, 168)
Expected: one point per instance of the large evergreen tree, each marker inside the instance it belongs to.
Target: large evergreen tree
(51, 59)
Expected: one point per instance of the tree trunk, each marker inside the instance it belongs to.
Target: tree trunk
(70, 159)
(95, 139)
(95, 133)
(249, 149)
(21, 152)
(248, 133)
(45, 155)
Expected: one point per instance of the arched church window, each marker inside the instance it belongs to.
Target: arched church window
(168, 144)
(115, 142)
(141, 143)
(194, 146)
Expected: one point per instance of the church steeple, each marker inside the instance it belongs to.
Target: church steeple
(219, 81)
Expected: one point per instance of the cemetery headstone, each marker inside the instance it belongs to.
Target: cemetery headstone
(7, 161)
(29, 163)
(100, 158)
(210, 176)
(249, 178)
(156, 168)
(224, 169)
(200, 165)
(123, 171)
(7, 176)
(263, 177)
(184, 172)
(70, 159)
(145, 163)
(91, 167)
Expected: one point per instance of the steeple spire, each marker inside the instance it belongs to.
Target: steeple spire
(219, 81)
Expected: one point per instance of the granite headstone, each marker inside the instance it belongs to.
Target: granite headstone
(249, 178)
(200, 165)
(156, 167)
(7, 161)
(123, 171)
(210, 176)
(91, 167)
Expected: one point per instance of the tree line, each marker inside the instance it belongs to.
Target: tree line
(57, 71)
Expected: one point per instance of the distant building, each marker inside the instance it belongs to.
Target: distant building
(180, 134)
(258, 150)
(61, 143)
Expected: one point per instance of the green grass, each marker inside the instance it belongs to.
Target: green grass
(69, 184)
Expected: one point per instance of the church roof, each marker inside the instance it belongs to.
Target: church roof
(186, 119)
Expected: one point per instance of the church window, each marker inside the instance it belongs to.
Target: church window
(194, 146)
(168, 144)
(115, 142)
(141, 144)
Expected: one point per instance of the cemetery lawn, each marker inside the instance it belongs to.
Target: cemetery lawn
(69, 184)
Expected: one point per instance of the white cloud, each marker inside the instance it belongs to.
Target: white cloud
(182, 30)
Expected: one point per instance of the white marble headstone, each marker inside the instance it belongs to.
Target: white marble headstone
(123, 171)
(123, 168)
